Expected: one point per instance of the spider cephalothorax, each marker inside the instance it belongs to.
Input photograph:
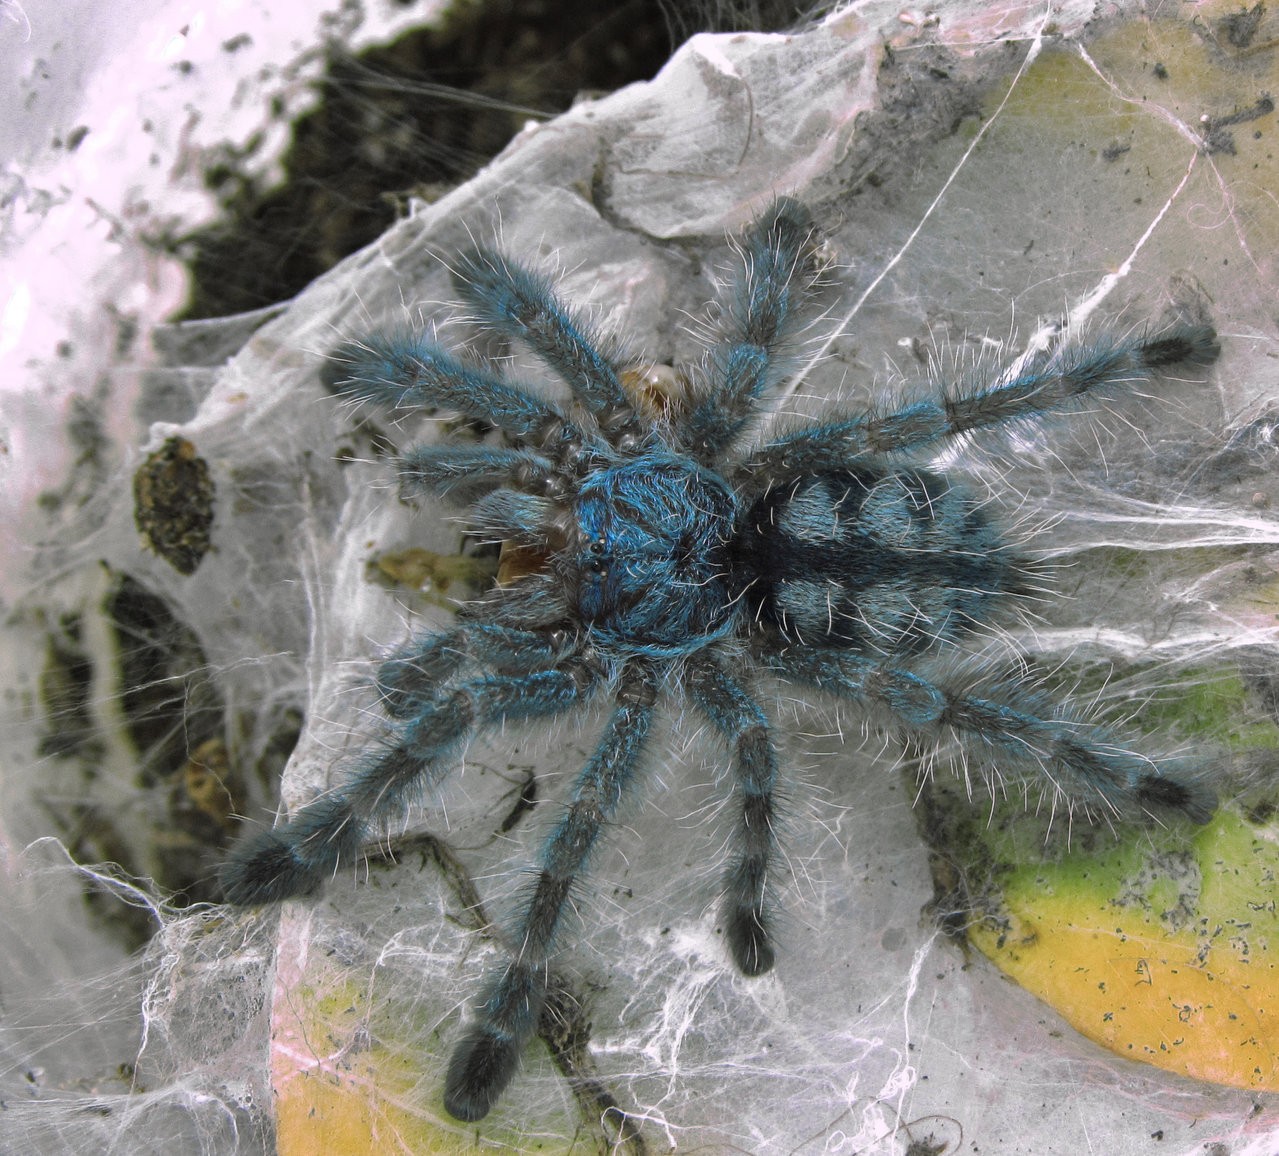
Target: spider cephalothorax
(651, 570)
(823, 558)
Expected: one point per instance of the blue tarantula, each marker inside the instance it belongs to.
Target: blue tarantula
(677, 562)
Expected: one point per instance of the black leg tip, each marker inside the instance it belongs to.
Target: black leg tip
(1161, 795)
(750, 944)
(341, 365)
(482, 1066)
(265, 870)
(1190, 345)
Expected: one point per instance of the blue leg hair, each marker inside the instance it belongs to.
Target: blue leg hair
(666, 550)
(741, 720)
(410, 372)
(1016, 732)
(509, 515)
(520, 304)
(412, 678)
(1060, 382)
(299, 857)
(464, 472)
(535, 602)
(489, 1054)
(775, 282)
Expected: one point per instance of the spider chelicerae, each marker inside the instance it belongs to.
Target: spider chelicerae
(680, 564)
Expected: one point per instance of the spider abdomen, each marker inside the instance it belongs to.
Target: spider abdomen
(651, 555)
(874, 559)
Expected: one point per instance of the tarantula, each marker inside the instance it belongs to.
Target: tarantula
(677, 563)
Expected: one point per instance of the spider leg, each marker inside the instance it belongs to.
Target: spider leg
(521, 304)
(512, 1000)
(413, 677)
(297, 858)
(741, 720)
(1055, 384)
(410, 372)
(1012, 729)
(777, 274)
(535, 602)
(462, 473)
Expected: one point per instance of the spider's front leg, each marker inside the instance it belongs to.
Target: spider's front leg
(1055, 384)
(520, 303)
(463, 473)
(512, 999)
(778, 272)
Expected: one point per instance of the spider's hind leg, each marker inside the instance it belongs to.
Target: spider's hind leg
(741, 720)
(1073, 374)
(1013, 730)
(512, 999)
(297, 858)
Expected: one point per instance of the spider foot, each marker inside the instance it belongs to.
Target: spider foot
(1175, 793)
(265, 870)
(294, 860)
(482, 1066)
(749, 942)
(1187, 345)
